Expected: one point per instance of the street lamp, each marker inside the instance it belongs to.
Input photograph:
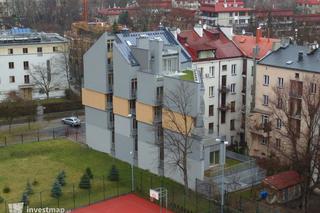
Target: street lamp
(222, 159)
(132, 177)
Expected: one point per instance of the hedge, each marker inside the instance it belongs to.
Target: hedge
(62, 106)
(18, 109)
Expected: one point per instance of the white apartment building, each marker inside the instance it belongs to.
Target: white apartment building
(221, 65)
(21, 50)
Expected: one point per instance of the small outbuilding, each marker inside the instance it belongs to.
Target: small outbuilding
(283, 187)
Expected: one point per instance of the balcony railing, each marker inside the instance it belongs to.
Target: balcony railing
(157, 118)
(110, 88)
(109, 105)
(134, 132)
(110, 124)
(159, 100)
(224, 107)
(224, 89)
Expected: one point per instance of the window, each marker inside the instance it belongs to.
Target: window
(10, 51)
(231, 14)
(26, 79)
(201, 72)
(297, 75)
(252, 70)
(26, 65)
(233, 88)
(265, 100)
(278, 143)
(214, 157)
(313, 88)
(233, 106)
(230, 21)
(39, 50)
(233, 69)
(224, 67)
(55, 49)
(210, 128)
(266, 80)
(232, 124)
(110, 45)
(25, 50)
(264, 140)
(279, 123)
(211, 71)
(211, 110)
(280, 82)
(211, 91)
(11, 65)
(223, 117)
(265, 120)
(232, 139)
(109, 61)
(12, 79)
(280, 103)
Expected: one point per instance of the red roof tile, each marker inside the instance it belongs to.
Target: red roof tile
(283, 180)
(211, 40)
(311, 2)
(220, 8)
(247, 43)
(274, 12)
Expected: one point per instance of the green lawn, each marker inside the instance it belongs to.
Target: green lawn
(231, 162)
(43, 161)
(188, 76)
(19, 129)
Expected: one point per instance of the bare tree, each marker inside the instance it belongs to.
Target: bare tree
(294, 128)
(46, 78)
(63, 63)
(179, 125)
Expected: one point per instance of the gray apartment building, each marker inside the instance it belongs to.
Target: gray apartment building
(131, 81)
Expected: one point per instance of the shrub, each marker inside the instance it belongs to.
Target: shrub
(61, 179)
(6, 189)
(29, 189)
(85, 182)
(1, 199)
(113, 174)
(89, 173)
(35, 182)
(56, 191)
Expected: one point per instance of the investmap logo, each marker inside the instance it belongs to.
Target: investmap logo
(18, 208)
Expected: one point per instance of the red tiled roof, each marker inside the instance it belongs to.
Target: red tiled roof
(164, 4)
(220, 8)
(183, 11)
(247, 43)
(274, 12)
(283, 180)
(211, 40)
(311, 2)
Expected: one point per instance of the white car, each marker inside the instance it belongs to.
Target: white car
(72, 121)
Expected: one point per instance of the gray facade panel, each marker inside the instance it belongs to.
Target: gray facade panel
(148, 157)
(146, 133)
(95, 66)
(123, 147)
(147, 84)
(96, 117)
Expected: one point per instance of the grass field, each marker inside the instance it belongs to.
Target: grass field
(43, 161)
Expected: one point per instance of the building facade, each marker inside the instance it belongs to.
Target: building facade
(21, 51)
(283, 79)
(221, 65)
(128, 108)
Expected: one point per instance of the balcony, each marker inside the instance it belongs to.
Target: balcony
(224, 108)
(133, 94)
(132, 111)
(296, 116)
(110, 124)
(224, 89)
(110, 88)
(134, 132)
(109, 105)
(157, 119)
(295, 94)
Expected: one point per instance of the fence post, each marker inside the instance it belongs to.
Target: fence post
(73, 196)
(41, 199)
(53, 135)
(141, 181)
(58, 202)
(22, 138)
(89, 196)
(5, 140)
(118, 188)
(38, 135)
(104, 188)
(196, 195)
(76, 135)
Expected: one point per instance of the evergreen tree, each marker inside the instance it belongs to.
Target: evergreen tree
(29, 189)
(25, 198)
(89, 173)
(113, 174)
(85, 182)
(62, 173)
(56, 191)
(61, 179)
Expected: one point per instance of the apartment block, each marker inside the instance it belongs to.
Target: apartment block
(221, 66)
(282, 77)
(128, 77)
(21, 50)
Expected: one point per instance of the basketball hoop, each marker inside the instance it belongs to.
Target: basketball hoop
(160, 194)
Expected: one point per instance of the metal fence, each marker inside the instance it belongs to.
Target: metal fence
(237, 156)
(75, 134)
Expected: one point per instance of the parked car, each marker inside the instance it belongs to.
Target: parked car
(72, 121)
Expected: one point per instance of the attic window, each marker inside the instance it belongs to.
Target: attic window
(289, 62)
(206, 54)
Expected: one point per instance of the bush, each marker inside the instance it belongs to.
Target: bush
(85, 182)
(35, 182)
(6, 189)
(62, 106)
(61, 180)
(56, 191)
(25, 198)
(113, 174)
(89, 173)
(1, 199)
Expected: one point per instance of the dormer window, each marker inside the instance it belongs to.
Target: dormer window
(206, 54)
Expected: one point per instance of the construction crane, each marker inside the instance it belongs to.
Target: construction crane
(85, 10)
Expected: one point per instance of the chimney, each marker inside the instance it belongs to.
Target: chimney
(300, 56)
(199, 30)
(258, 35)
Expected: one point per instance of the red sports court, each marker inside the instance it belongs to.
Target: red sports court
(124, 204)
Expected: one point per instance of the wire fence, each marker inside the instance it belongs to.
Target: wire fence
(75, 134)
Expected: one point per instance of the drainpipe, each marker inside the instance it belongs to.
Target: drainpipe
(218, 123)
